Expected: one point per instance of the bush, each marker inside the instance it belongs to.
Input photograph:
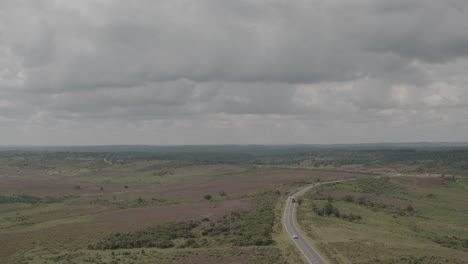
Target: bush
(159, 236)
(336, 212)
(351, 217)
(208, 197)
(349, 198)
(328, 209)
(21, 198)
(300, 201)
(361, 200)
(318, 211)
(252, 227)
(452, 242)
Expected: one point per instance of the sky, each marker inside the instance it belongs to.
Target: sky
(178, 72)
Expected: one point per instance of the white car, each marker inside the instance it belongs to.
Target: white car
(295, 237)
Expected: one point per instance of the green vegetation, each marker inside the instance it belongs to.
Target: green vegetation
(407, 160)
(28, 199)
(389, 220)
(133, 203)
(378, 186)
(247, 227)
(119, 206)
(328, 209)
(160, 236)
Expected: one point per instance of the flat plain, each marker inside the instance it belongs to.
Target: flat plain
(74, 207)
(56, 208)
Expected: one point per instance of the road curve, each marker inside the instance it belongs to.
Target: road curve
(309, 252)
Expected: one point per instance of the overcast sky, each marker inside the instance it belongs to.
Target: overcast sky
(236, 72)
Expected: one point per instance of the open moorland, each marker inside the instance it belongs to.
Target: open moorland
(78, 208)
(116, 206)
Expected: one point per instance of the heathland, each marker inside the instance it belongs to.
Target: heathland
(224, 205)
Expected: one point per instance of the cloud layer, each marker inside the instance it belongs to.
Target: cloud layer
(212, 72)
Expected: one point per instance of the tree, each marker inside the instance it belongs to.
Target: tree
(409, 208)
(208, 197)
(299, 201)
(336, 212)
(101, 188)
(328, 209)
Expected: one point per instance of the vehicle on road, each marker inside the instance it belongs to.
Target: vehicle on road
(295, 236)
(293, 199)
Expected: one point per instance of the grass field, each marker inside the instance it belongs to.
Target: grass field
(405, 219)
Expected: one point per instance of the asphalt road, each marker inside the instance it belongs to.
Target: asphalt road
(288, 219)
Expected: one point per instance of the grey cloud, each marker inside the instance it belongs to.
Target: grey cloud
(221, 41)
(273, 69)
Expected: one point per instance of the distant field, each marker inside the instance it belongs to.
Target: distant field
(405, 219)
(56, 207)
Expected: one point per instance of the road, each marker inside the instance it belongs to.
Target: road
(288, 219)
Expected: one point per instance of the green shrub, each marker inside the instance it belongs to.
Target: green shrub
(452, 242)
(349, 198)
(159, 236)
(247, 227)
(328, 209)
